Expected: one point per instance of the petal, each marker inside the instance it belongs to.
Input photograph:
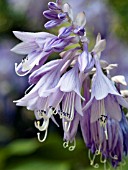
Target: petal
(99, 47)
(119, 79)
(80, 19)
(56, 97)
(83, 61)
(88, 104)
(95, 110)
(67, 9)
(85, 128)
(112, 108)
(29, 36)
(122, 101)
(78, 105)
(24, 48)
(101, 85)
(37, 74)
(47, 82)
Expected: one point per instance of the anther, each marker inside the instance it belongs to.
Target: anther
(65, 144)
(71, 148)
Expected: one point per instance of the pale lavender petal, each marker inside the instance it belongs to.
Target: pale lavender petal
(101, 85)
(30, 36)
(48, 81)
(112, 108)
(78, 105)
(80, 19)
(122, 101)
(37, 74)
(83, 61)
(88, 104)
(24, 48)
(70, 81)
(85, 128)
(56, 97)
(95, 110)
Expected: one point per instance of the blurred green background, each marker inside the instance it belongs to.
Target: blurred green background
(19, 147)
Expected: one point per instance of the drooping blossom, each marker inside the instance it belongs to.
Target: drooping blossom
(77, 86)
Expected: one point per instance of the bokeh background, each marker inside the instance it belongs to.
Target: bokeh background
(19, 147)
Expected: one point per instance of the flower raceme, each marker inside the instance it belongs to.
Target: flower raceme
(77, 86)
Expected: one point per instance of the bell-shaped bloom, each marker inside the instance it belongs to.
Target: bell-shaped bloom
(69, 87)
(37, 47)
(110, 141)
(32, 46)
(105, 99)
(111, 149)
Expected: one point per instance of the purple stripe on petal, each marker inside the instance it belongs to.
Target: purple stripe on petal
(52, 23)
(65, 32)
(50, 14)
(53, 6)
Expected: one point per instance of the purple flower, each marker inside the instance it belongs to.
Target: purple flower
(105, 100)
(111, 147)
(37, 47)
(56, 14)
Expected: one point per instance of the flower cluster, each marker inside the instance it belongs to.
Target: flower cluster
(77, 86)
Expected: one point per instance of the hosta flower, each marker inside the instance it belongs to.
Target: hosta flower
(77, 86)
(105, 100)
(111, 148)
(37, 47)
(68, 88)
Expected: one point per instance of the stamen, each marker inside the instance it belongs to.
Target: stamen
(65, 144)
(28, 89)
(96, 165)
(106, 132)
(101, 159)
(54, 111)
(45, 136)
(67, 126)
(97, 152)
(44, 126)
(71, 148)
(91, 159)
(115, 157)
